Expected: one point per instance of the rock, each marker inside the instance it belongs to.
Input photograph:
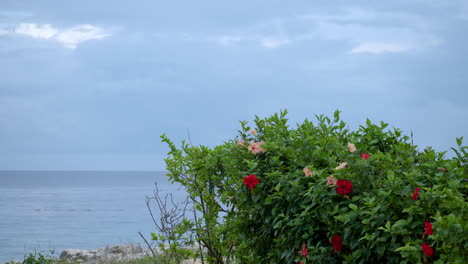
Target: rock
(122, 252)
(79, 255)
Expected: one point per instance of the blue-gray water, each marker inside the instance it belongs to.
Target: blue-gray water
(44, 210)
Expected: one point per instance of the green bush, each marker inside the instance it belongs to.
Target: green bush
(390, 199)
(36, 258)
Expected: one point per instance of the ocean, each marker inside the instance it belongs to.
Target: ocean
(49, 211)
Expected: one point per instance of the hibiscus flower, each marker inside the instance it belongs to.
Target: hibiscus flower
(336, 243)
(250, 181)
(427, 249)
(343, 187)
(365, 156)
(307, 172)
(351, 147)
(415, 193)
(255, 147)
(341, 166)
(331, 181)
(241, 143)
(428, 228)
(304, 251)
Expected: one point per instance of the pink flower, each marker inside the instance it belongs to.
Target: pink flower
(250, 181)
(428, 228)
(344, 187)
(307, 172)
(241, 143)
(415, 193)
(351, 147)
(443, 169)
(253, 132)
(229, 197)
(365, 156)
(336, 243)
(255, 148)
(427, 249)
(331, 181)
(341, 166)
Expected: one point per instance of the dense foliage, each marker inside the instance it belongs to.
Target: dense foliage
(319, 193)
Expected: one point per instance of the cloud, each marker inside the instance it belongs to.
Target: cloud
(265, 41)
(377, 48)
(45, 31)
(227, 40)
(365, 30)
(274, 42)
(360, 30)
(70, 38)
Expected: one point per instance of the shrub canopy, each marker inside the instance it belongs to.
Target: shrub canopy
(320, 193)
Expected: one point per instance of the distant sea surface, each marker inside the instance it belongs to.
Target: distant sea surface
(56, 210)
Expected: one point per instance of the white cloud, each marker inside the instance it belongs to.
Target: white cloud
(45, 31)
(266, 41)
(227, 40)
(363, 30)
(68, 37)
(272, 42)
(368, 30)
(377, 48)
(82, 33)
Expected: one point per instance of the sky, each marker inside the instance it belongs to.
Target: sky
(91, 85)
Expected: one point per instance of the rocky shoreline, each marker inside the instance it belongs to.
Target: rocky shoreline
(110, 253)
(125, 252)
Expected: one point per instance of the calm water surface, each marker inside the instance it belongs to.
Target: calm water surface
(69, 209)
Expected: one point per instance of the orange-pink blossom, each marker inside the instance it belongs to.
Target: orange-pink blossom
(255, 147)
(341, 166)
(351, 147)
(307, 172)
(241, 143)
(331, 181)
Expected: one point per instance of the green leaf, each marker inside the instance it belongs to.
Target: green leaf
(391, 175)
(278, 187)
(336, 116)
(381, 250)
(400, 223)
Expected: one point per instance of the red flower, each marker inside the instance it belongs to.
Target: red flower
(336, 243)
(343, 187)
(365, 156)
(428, 228)
(304, 250)
(250, 181)
(415, 193)
(444, 170)
(427, 249)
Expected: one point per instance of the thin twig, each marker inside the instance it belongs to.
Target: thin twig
(149, 246)
(188, 134)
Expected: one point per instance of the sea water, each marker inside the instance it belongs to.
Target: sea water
(48, 211)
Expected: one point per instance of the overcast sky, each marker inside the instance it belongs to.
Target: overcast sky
(91, 85)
